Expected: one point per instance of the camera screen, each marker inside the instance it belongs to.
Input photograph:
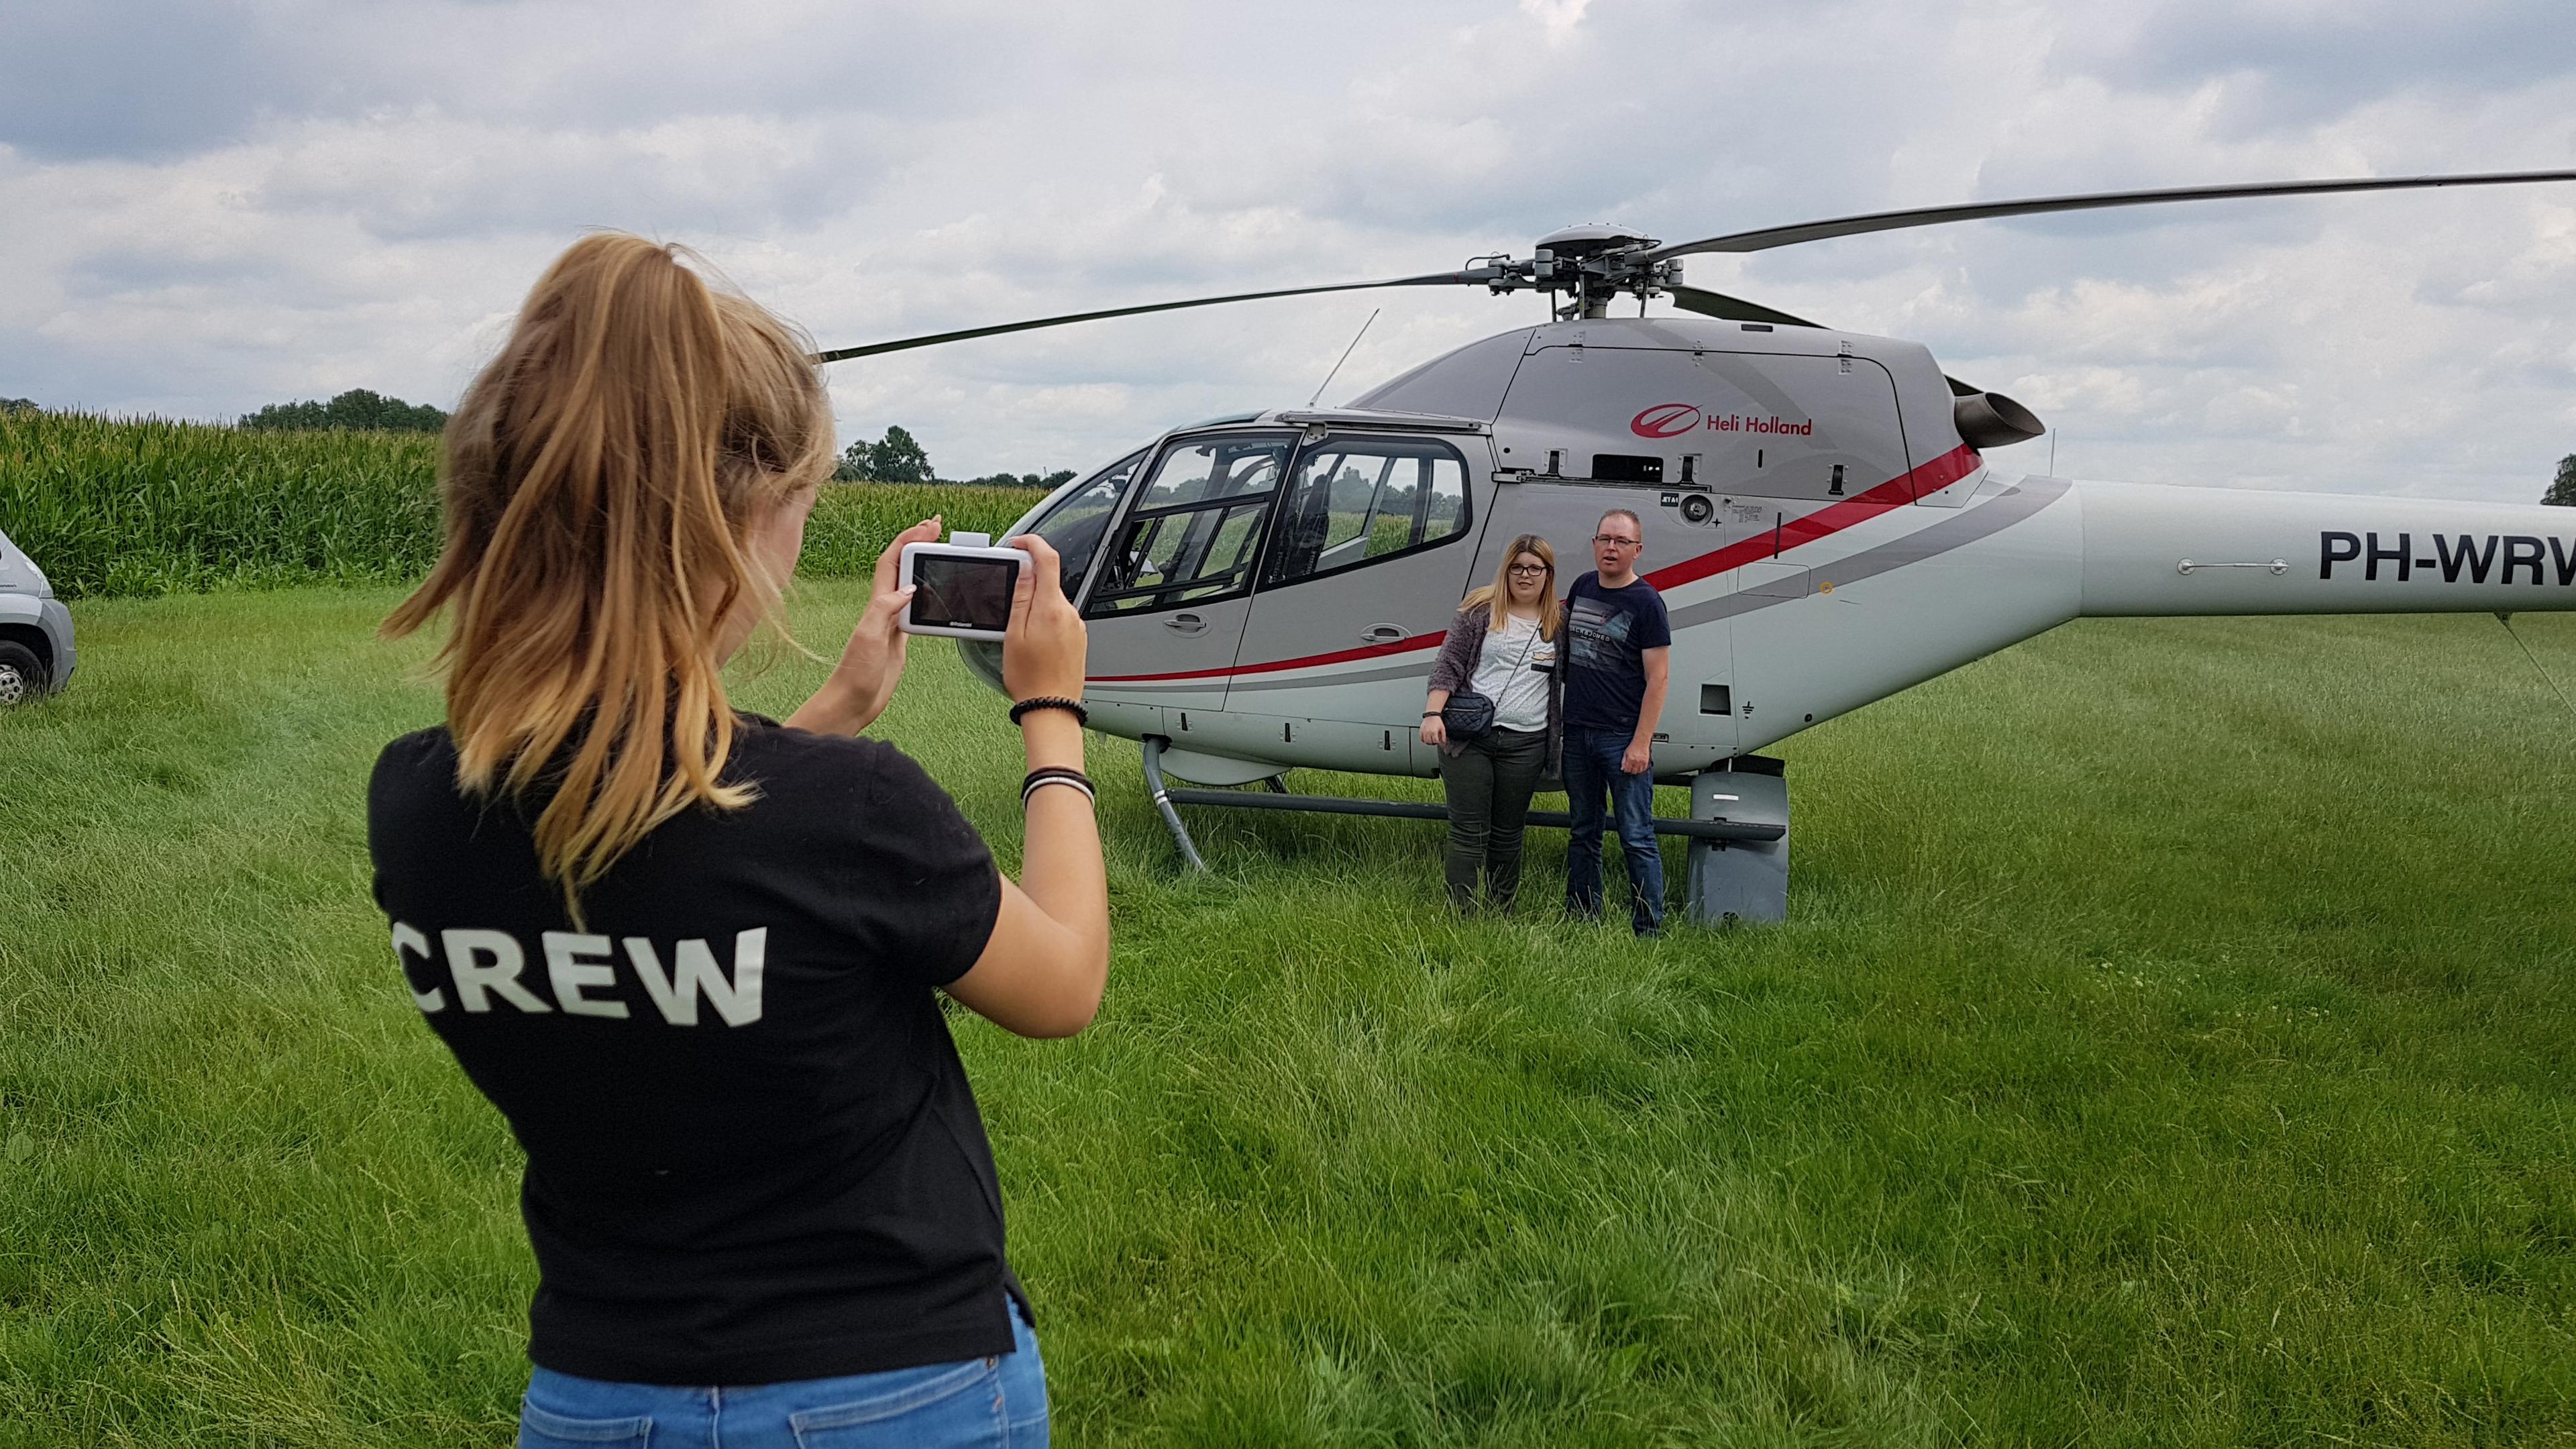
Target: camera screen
(962, 593)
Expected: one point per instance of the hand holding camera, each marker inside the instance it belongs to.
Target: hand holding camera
(966, 588)
(963, 589)
(872, 663)
(1046, 648)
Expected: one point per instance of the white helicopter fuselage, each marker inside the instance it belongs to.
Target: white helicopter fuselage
(1270, 591)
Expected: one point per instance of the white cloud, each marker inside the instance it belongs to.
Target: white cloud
(1559, 17)
(364, 201)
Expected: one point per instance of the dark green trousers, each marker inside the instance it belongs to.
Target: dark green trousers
(1489, 785)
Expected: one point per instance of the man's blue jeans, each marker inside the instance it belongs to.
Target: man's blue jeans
(1591, 770)
(998, 1401)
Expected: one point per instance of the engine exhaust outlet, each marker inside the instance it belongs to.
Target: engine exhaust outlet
(1992, 420)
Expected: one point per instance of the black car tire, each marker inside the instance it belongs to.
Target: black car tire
(22, 674)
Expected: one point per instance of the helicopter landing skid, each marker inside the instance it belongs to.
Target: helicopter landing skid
(1738, 830)
(1163, 801)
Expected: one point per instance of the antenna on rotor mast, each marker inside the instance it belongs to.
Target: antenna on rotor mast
(1345, 357)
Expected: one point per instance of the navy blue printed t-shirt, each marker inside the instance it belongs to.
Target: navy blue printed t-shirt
(752, 1152)
(1608, 632)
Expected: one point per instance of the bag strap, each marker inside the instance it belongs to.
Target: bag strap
(1527, 649)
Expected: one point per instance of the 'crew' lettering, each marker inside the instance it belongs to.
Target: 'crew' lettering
(409, 938)
(694, 971)
(574, 962)
(488, 961)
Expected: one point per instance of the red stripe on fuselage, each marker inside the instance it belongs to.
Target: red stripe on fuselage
(1940, 473)
(1339, 656)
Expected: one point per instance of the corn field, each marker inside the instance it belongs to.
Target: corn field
(853, 522)
(146, 506)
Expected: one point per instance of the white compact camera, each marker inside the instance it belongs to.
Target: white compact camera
(961, 588)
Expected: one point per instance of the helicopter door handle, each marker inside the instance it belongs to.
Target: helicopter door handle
(1382, 633)
(1186, 624)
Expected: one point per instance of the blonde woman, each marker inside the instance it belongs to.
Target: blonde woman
(695, 956)
(1502, 648)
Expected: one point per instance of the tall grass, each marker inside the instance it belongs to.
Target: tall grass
(147, 506)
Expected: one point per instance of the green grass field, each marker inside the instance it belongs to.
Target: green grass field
(2171, 1044)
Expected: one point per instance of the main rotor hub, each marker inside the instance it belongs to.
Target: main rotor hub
(1591, 263)
(1594, 240)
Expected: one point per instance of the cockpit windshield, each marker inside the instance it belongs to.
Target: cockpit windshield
(1074, 525)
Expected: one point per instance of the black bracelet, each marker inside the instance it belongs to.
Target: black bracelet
(1026, 707)
(1038, 779)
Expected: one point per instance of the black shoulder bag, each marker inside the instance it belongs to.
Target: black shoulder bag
(1469, 714)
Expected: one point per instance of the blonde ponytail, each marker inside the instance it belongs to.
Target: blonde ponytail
(600, 475)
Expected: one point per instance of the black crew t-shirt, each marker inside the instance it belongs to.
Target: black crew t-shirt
(752, 1152)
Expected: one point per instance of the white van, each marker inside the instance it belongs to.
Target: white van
(36, 655)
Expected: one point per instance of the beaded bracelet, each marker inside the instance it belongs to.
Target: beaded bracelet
(1073, 707)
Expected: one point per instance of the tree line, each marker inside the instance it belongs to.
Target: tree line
(357, 409)
(898, 457)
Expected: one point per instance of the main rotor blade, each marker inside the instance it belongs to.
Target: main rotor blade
(1730, 309)
(1430, 279)
(1781, 236)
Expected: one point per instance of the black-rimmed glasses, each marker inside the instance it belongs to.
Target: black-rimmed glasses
(1612, 538)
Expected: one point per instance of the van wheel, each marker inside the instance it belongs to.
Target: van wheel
(22, 674)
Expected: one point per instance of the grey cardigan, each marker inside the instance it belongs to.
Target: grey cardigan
(1464, 648)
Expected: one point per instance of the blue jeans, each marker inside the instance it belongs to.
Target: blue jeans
(1592, 768)
(982, 1401)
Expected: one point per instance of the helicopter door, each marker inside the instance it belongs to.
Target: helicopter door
(1169, 595)
(1372, 551)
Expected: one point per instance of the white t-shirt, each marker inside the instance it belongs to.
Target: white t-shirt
(1512, 672)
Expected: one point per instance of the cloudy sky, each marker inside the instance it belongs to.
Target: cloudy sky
(208, 207)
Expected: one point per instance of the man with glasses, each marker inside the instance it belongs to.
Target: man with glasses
(1620, 650)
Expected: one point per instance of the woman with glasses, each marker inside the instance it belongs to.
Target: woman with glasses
(1497, 695)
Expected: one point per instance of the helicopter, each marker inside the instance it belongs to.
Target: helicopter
(1267, 590)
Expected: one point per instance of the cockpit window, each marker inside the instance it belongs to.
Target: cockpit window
(1359, 499)
(1194, 533)
(1074, 524)
(1219, 468)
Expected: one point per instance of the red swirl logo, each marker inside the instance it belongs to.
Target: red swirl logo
(1664, 420)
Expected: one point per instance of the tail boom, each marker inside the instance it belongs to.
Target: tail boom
(2161, 551)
